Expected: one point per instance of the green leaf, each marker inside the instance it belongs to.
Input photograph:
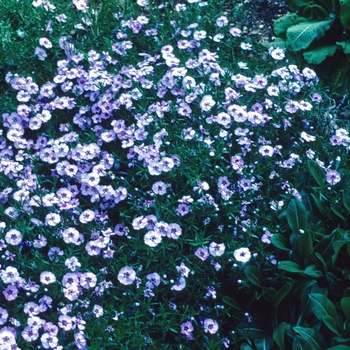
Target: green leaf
(296, 5)
(346, 197)
(345, 306)
(345, 45)
(313, 271)
(339, 347)
(337, 245)
(232, 302)
(283, 292)
(345, 13)
(270, 294)
(278, 42)
(309, 336)
(263, 343)
(280, 241)
(331, 324)
(305, 244)
(296, 215)
(317, 172)
(254, 275)
(336, 210)
(301, 35)
(320, 257)
(290, 266)
(320, 54)
(322, 306)
(278, 335)
(245, 347)
(283, 23)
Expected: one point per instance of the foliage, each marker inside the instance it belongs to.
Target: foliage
(164, 184)
(319, 30)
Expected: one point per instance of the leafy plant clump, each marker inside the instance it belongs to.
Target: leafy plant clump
(319, 30)
(164, 184)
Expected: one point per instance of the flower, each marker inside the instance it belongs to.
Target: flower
(187, 329)
(202, 253)
(179, 285)
(13, 237)
(47, 277)
(242, 255)
(216, 249)
(126, 275)
(210, 326)
(152, 238)
(333, 177)
(277, 53)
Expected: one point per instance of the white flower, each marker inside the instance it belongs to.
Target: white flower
(216, 249)
(210, 326)
(152, 238)
(242, 255)
(277, 53)
(307, 137)
(126, 275)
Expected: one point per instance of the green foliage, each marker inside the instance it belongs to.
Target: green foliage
(319, 30)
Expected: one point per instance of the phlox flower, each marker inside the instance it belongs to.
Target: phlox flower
(217, 249)
(152, 238)
(210, 326)
(81, 5)
(9, 275)
(153, 280)
(80, 340)
(159, 188)
(126, 275)
(45, 43)
(7, 337)
(30, 334)
(10, 293)
(242, 255)
(49, 341)
(187, 329)
(277, 53)
(71, 235)
(183, 269)
(333, 177)
(65, 322)
(174, 231)
(266, 151)
(87, 216)
(13, 237)
(3, 316)
(179, 285)
(307, 137)
(235, 32)
(40, 53)
(207, 103)
(98, 310)
(47, 277)
(202, 253)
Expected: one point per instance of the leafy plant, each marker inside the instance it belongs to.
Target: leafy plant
(319, 30)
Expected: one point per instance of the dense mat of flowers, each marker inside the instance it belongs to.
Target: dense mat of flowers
(137, 182)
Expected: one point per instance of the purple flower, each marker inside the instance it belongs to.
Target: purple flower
(333, 177)
(202, 253)
(126, 275)
(210, 326)
(187, 329)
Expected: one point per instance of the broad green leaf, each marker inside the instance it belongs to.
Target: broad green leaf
(296, 4)
(280, 241)
(309, 336)
(320, 258)
(296, 215)
(301, 35)
(345, 13)
(318, 203)
(331, 324)
(278, 42)
(278, 335)
(263, 343)
(283, 23)
(320, 54)
(270, 294)
(305, 244)
(245, 347)
(336, 209)
(345, 45)
(232, 302)
(283, 292)
(337, 245)
(290, 266)
(313, 271)
(345, 306)
(317, 172)
(322, 306)
(315, 12)
(346, 197)
(339, 347)
(254, 275)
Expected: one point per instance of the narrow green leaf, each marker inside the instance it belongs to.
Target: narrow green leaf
(301, 35)
(331, 324)
(345, 306)
(232, 302)
(322, 306)
(283, 292)
(318, 55)
(345, 13)
(245, 347)
(336, 210)
(320, 257)
(290, 266)
(280, 241)
(263, 343)
(339, 347)
(278, 335)
(318, 203)
(309, 336)
(254, 275)
(346, 196)
(296, 215)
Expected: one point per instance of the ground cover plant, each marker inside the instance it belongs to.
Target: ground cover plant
(165, 184)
